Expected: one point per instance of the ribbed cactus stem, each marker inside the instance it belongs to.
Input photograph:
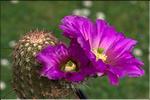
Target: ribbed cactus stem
(27, 81)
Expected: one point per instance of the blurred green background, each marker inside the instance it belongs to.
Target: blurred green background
(130, 17)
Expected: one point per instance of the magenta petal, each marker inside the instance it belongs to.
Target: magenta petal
(118, 71)
(113, 78)
(51, 59)
(104, 35)
(43, 59)
(86, 68)
(119, 47)
(52, 73)
(134, 71)
(100, 66)
(83, 43)
(74, 76)
(77, 26)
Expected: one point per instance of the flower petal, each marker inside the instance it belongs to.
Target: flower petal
(51, 59)
(80, 56)
(75, 76)
(134, 71)
(77, 26)
(113, 78)
(52, 73)
(100, 66)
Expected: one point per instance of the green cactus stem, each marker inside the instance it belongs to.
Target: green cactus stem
(27, 82)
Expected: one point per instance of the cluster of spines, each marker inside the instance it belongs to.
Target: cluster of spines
(27, 81)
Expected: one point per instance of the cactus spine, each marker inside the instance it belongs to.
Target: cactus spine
(27, 81)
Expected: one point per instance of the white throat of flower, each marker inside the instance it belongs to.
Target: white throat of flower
(70, 66)
(99, 54)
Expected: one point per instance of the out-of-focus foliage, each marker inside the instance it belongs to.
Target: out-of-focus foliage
(130, 17)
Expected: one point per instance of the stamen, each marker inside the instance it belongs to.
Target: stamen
(99, 54)
(70, 66)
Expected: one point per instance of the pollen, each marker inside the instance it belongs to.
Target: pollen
(99, 54)
(70, 66)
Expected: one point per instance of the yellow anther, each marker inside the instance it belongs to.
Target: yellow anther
(99, 54)
(70, 66)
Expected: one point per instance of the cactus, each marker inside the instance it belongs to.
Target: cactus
(27, 81)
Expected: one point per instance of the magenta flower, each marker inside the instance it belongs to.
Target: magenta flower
(109, 51)
(60, 62)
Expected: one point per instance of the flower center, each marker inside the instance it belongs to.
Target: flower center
(70, 66)
(99, 54)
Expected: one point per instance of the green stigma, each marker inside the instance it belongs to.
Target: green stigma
(100, 50)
